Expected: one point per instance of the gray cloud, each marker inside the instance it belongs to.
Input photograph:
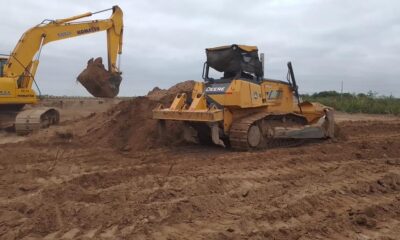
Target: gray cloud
(328, 41)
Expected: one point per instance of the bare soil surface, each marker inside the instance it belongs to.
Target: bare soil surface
(107, 175)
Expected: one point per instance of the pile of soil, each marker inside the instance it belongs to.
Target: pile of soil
(129, 125)
(98, 81)
(166, 96)
(157, 93)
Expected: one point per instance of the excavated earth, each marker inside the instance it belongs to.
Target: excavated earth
(109, 176)
(98, 81)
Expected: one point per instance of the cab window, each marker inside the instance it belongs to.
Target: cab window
(274, 94)
(2, 63)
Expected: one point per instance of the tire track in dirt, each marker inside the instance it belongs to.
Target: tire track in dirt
(344, 189)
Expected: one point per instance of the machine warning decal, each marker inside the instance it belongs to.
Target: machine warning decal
(88, 30)
(25, 95)
(5, 93)
(255, 95)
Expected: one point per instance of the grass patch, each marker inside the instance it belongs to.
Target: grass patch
(357, 103)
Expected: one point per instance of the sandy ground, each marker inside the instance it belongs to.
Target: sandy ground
(348, 188)
(71, 109)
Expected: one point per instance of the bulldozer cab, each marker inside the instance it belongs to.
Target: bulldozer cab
(3, 62)
(235, 62)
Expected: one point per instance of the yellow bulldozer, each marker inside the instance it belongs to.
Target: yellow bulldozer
(243, 110)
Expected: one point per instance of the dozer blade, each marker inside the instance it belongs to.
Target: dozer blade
(324, 128)
(98, 81)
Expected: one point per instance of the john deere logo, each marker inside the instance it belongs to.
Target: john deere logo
(215, 89)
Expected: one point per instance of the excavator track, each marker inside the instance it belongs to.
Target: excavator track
(241, 138)
(32, 120)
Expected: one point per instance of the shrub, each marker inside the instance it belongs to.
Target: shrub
(357, 103)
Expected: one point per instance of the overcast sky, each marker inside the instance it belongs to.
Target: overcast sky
(357, 42)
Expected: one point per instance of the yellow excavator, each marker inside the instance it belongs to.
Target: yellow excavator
(244, 110)
(17, 70)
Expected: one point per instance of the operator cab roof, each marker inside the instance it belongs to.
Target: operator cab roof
(236, 61)
(242, 47)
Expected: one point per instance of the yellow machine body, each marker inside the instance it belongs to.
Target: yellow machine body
(222, 103)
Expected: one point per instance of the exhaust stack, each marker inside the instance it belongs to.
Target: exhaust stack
(262, 59)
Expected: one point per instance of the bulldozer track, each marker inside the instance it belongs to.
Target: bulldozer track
(239, 134)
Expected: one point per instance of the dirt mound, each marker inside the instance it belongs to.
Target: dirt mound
(166, 96)
(157, 93)
(129, 125)
(98, 81)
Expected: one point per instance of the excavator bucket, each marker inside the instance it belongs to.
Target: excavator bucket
(98, 81)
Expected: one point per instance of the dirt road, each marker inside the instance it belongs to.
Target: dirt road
(343, 189)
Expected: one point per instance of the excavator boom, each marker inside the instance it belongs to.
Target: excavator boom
(35, 38)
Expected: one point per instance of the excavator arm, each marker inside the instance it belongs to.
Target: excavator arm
(22, 63)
